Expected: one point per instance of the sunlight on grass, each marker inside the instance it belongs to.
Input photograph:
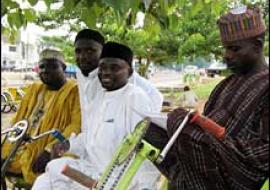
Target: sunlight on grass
(203, 90)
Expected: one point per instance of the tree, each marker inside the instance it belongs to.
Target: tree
(173, 30)
(65, 45)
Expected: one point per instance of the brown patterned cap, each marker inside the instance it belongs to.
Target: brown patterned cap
(239, 25)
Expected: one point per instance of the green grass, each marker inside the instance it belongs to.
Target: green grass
(203, 90)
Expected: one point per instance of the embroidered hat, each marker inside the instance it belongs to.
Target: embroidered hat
(116, 50)
(241, 23)
(51, 53)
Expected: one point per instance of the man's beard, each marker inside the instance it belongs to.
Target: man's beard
(242, 68)
(86, 70)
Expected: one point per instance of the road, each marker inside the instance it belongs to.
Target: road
(160, 79)
(14, 79)
(168, 79)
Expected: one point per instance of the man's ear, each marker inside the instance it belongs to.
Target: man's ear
(64, 66)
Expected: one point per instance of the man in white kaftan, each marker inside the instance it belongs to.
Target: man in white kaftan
(87, 84)
(111, 118)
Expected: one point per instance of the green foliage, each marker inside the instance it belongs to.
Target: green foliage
(204, 90)
(63, 44)
(191, 46)
(191, 78)
(173, 29)
(122, 6)
(48, 2)
(16, 17)
(225, 73)
(30, 15)
(33, 2)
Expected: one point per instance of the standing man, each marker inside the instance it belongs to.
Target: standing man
(50, 104)
(111, 119)
(240, 103)
(88, 46)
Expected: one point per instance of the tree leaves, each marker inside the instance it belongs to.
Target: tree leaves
(121, 6)
(151, 25)
(10, 33)
(30, 15)
(192, 45)
(48, 2)
(164, 5)
(15, 19)
(69, 5)
(11, 4)
(33, 2)
(8, 5)
(90, 14)
(218, 7)
(65, 45)
(197, 7)
(174, 23)
(88, 17)
(170, 26)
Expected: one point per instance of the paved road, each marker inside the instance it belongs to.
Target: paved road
(168, 79)
(14, 79)
(159, 79)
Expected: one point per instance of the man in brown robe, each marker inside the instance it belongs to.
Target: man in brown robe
(200, 161)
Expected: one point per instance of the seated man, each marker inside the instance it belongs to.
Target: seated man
(111, 119)
(240, 103)
(52, 104)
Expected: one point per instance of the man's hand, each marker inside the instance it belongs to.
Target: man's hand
(41, 162)
(59, 149)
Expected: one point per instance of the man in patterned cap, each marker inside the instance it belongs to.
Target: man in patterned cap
(50, 104)
(240, 104)
(110, 119)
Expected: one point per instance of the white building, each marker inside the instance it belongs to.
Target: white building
(11, 54)
(21, 54)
